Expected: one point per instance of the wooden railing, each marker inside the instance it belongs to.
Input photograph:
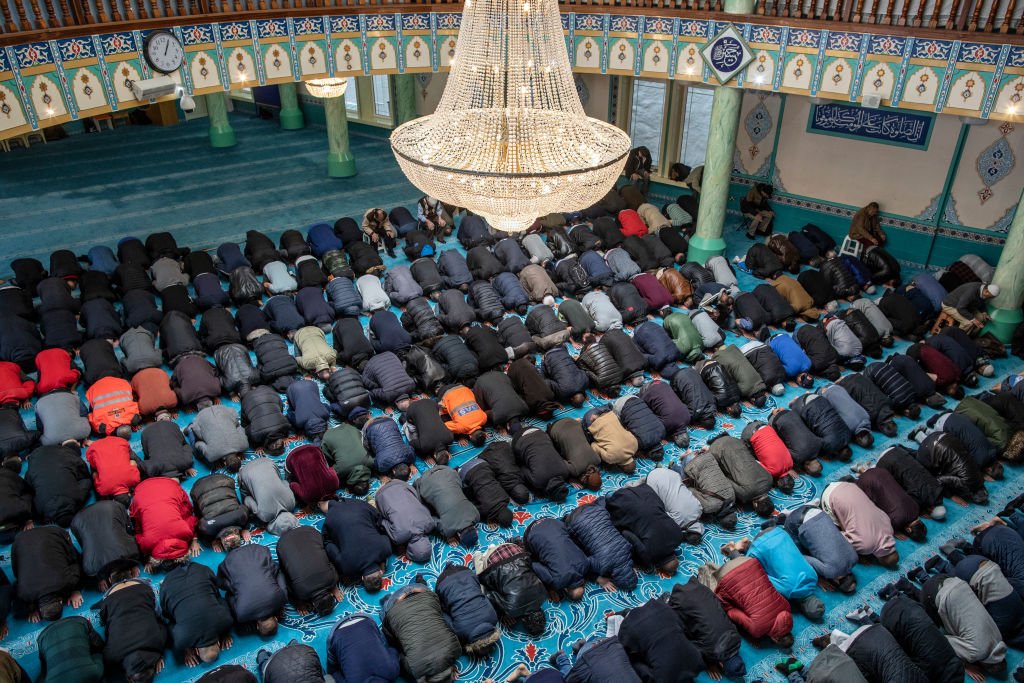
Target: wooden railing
(29, 20)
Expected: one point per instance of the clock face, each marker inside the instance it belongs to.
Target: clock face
(163, 51)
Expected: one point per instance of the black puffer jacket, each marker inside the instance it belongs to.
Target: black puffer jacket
(559, 242)
(454, 312)
(842, 280)
(915, 479)
(570, 277)
(345, 390)
(498, 398)
(425, 370)
(263, 417)
(637, 417)
(513, 333)
(426, 274)
(485, 300)
(482, 262)
(884, 267)
(543, 469)
(864, 392)
(276, 365)
(453, 268)
(512, 586)
(814, 342)
(802, 443)
(628, 301)
(818, 286)
(235, 367)
(865, 331)
(564, 377)
(351, 343)
(217, 328)
(499, 456)
(690, 388)
(386, 379)
(243, 286)
(178, 337)
(947, 458)
(721, 384)
(483, 341)
(822, 419)
(705, 621)
(421, 321)
(542, 322)
(639, 515)
(626, 353)
(458, 360)
(216, 504)
(696, 273)
(597, 361)
(511, 254)
(571, 441)
(294, 663)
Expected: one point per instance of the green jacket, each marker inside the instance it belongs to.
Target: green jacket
(986, 419)
(70, 651)
(344, 450)
(685, 335)
(741, 370)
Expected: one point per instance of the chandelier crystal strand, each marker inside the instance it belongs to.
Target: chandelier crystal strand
(326, 88)
(510, 140)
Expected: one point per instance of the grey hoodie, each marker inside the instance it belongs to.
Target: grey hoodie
(373, 295)
(874, 315)
(537, 249)
(277, 276)
(401, 286)
(969, 628)
(267, 496)
(217, 432)
(407, 521)
(60, 416)
(622, 264)
(680, 503)
(167, 272)
(139, 348)
(602, 310)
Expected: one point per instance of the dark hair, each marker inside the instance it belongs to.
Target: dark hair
(534, 623)
(324, 603)
(359, 488)
(917, 531)
(763, 506)
(374, 581)
(400, 471)
(233, 462)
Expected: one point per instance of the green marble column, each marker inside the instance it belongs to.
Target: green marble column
(340, 162)
(291, 116)
(714, 196)
(221, 132)
(405, 98)
(1005, 308)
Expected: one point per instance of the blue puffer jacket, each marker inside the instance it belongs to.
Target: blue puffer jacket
(563, 375)
(557, 560)
(484, 299)
(321, 239)
(510, 289)
(511, 254)
(467, 610)
(358, 651)
(597, 269)
(387, 333)
(640, 420)
(385, 378)
(229, 256)
(805, 246)
(401, 286)
(609, 551)
(861, 273)
(306, 411)
(793, 358)
(656, 344)
(383, 438)
(454, 269)
(605, 662)
(787, 569)
(344, 296)
(823, 419)
(283, 315)
(102, 259)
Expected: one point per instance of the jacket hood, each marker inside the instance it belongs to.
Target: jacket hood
(282, 523)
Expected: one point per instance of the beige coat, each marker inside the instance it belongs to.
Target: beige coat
(794, 292)
(315, 354)
(537, 283)
(612, 442)
(654, 219)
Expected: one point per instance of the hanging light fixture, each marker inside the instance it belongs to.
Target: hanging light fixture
(510, 140)
(326, 88)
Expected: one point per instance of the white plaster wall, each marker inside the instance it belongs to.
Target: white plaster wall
(904, 181)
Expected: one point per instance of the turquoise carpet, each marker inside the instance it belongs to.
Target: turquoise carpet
(94, 192)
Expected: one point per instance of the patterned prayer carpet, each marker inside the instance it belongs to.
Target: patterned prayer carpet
(275, 186)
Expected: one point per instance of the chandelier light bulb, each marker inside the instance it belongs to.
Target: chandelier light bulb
(504, 143)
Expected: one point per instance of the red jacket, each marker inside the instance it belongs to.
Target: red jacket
(162, 514)
(55, 371)
(14, 388)
(152, 387)
(751, 601)
(631, 223)
(113, 404)
(942, 366)
(113, 470)
(771, 452)
(653, 292)
(311, 479)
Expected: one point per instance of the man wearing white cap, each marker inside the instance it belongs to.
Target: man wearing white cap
(966, 305)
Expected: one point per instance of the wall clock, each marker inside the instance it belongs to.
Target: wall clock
(163, 51)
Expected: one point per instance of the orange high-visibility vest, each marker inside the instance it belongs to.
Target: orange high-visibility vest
(466, 414)
(112, 404)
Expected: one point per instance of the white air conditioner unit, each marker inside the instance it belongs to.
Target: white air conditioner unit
(151, 88)
(871, 101)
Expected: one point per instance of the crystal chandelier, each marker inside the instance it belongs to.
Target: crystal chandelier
(326, 88)
(510, 140)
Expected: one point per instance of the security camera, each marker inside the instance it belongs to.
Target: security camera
(187, 104)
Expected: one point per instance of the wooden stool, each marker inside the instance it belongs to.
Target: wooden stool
(99, 119)
(944, 320)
